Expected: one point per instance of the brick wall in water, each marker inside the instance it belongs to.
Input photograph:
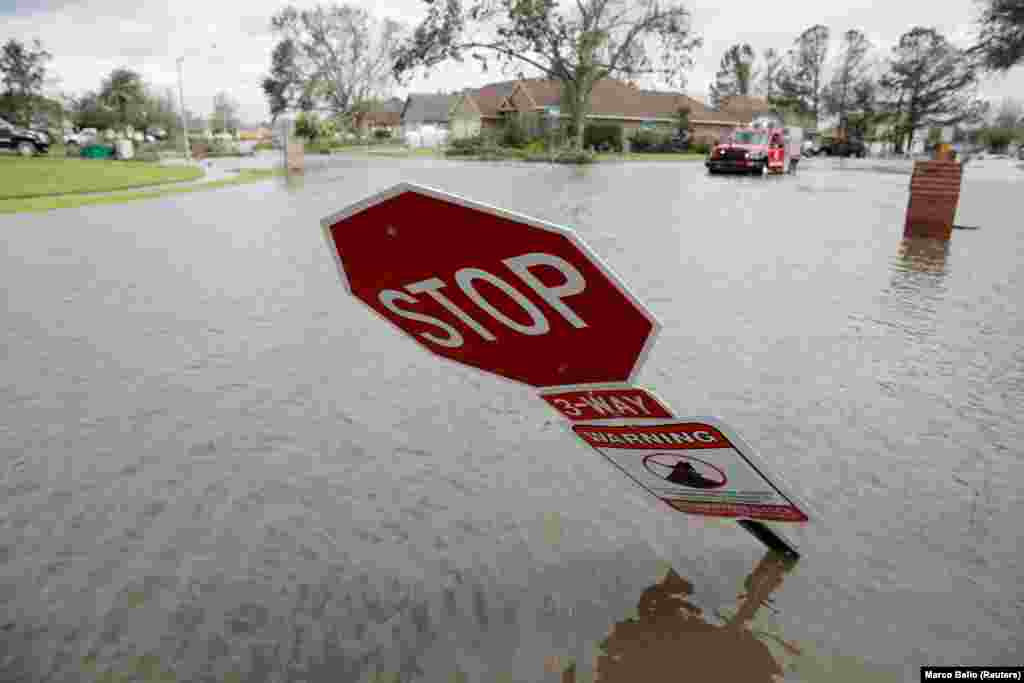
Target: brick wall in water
(934, 194)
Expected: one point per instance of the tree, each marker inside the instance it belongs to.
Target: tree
(864, 115)
(931, 83)
(683, 122)
(283, 85)
(735, 74)
(90, 111)
(23, 70)
(851, 71)
(307, 126)
(329, 58)
(225, 114)
(997, 138)
(803, 78)
(1010, 114)
(576, 44)
(768, 78)
(1000, 43)
(122, 89)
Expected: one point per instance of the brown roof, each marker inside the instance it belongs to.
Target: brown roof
(489, 98)
(744, 107)
(381, 118)
(610, 97)
(382, 113)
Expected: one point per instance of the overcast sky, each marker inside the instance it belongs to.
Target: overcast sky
(226, 51)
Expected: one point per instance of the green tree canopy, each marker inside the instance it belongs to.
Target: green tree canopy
(802, 80)
(23, 72)
(930, 82)
(850, 73)
(735, 74)
(329, 58)
(576, 44)
(1000, 44)
(122, 89)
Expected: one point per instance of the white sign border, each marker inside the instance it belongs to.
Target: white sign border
(333, 219)
(814, 518)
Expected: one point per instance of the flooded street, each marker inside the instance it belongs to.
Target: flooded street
(218, 465)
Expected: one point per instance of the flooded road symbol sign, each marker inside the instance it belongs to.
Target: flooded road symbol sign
(684, 471)
(695, 465)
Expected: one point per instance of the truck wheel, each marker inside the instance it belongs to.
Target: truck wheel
(26, 149)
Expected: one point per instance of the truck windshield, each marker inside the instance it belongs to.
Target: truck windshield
(749, 137)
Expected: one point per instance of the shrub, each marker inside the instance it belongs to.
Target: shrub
(317, 147)
(646, 141)
(514, 133)
(604, 137)
(307, 126)
(147, 152)
(574, 156)
(382, 134)
(223, 148)
(470, 146)
(701, 148)
(536, 147)
(261, 146)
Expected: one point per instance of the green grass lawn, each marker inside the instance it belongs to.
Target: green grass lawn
(66, 201)
(45, 177)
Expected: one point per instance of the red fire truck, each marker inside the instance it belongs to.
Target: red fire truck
(761, 148)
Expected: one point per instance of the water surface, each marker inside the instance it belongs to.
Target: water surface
(218, 465)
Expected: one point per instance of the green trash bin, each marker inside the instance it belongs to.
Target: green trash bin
(97, 152)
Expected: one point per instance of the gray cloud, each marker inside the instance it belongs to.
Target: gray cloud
(150, 37)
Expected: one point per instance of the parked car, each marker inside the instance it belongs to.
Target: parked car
(844, 148)
(26, 141)
(810, 148)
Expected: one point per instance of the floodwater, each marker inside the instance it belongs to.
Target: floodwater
(219, 468)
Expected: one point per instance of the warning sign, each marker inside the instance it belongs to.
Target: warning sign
(586, 403)
(694, 467)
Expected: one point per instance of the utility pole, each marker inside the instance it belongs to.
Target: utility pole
(184, 121)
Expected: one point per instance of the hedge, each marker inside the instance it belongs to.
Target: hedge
(604, 137)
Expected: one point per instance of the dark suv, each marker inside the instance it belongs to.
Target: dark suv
(844, 148)
(27, 142)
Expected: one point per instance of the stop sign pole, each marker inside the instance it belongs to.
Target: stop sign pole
(502, 292)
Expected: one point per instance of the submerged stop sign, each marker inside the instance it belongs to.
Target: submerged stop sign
(484, 287)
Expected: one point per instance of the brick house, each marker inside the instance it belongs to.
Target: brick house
(426, 110)
(746, 108)
(386, 115)
(612, 101)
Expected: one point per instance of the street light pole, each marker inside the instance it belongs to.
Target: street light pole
(184, 121)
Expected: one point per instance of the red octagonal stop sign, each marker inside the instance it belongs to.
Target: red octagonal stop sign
(499, 291)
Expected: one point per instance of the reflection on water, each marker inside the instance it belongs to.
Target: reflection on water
(294, 181)
(671, 639)
(917, 287)
(922, 255)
